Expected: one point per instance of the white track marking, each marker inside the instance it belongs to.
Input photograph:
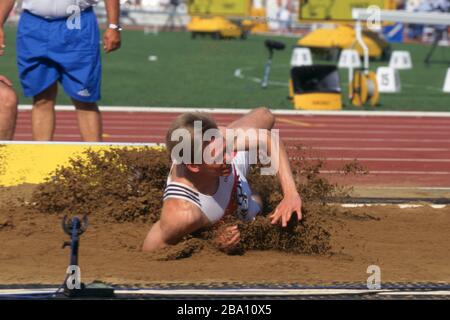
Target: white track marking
(401, 206)
(438, 206)
(243, 292)
(366, 126)
(360, 132)
(240, 75)
(363, 113)
(216, 292)
(420, 87)
(361, 205)
(393, 172)
(351, 139)
(26, 291)
(378, 159)
(377, 149)
(413, 188)
(417, 293)
(409, 206)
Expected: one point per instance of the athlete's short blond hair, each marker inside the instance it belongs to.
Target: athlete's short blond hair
(186, 121)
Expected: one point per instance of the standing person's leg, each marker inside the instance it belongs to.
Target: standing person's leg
(89, 120)
(80, 62)
(43, 114)
(37, 72)
(8, 111)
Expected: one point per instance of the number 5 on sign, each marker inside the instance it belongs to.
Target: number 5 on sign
(374, 280)
(388, 80)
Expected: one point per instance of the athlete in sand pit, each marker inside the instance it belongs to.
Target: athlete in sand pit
(198, 196)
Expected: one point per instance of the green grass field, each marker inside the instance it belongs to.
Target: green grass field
(200, 73)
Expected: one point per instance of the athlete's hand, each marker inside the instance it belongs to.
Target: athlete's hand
(291, 203)
(228, 238)
(2, 42)
(6, 81)
(111, 40)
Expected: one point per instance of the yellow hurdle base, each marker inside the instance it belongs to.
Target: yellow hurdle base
(318, 101)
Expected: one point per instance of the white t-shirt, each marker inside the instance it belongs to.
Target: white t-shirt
(52, 9)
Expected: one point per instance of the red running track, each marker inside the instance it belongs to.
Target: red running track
(397, 151)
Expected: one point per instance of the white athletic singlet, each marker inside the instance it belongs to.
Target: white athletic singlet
(215, 206)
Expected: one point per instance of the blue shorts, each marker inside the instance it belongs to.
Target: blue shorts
(49, 51)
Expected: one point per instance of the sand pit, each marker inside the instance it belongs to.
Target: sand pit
(121, 192)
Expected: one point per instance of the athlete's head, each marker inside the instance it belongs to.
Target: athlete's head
(194, 140)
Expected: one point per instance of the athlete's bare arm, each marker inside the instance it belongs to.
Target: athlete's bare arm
(262, 118)
(292, 201)
(258, 118)
(178, 219)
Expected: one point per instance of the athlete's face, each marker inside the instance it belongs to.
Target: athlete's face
(219, 162)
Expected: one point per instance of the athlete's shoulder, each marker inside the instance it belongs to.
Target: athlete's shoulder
(177, 190)
(179, 215)
(178, 204)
